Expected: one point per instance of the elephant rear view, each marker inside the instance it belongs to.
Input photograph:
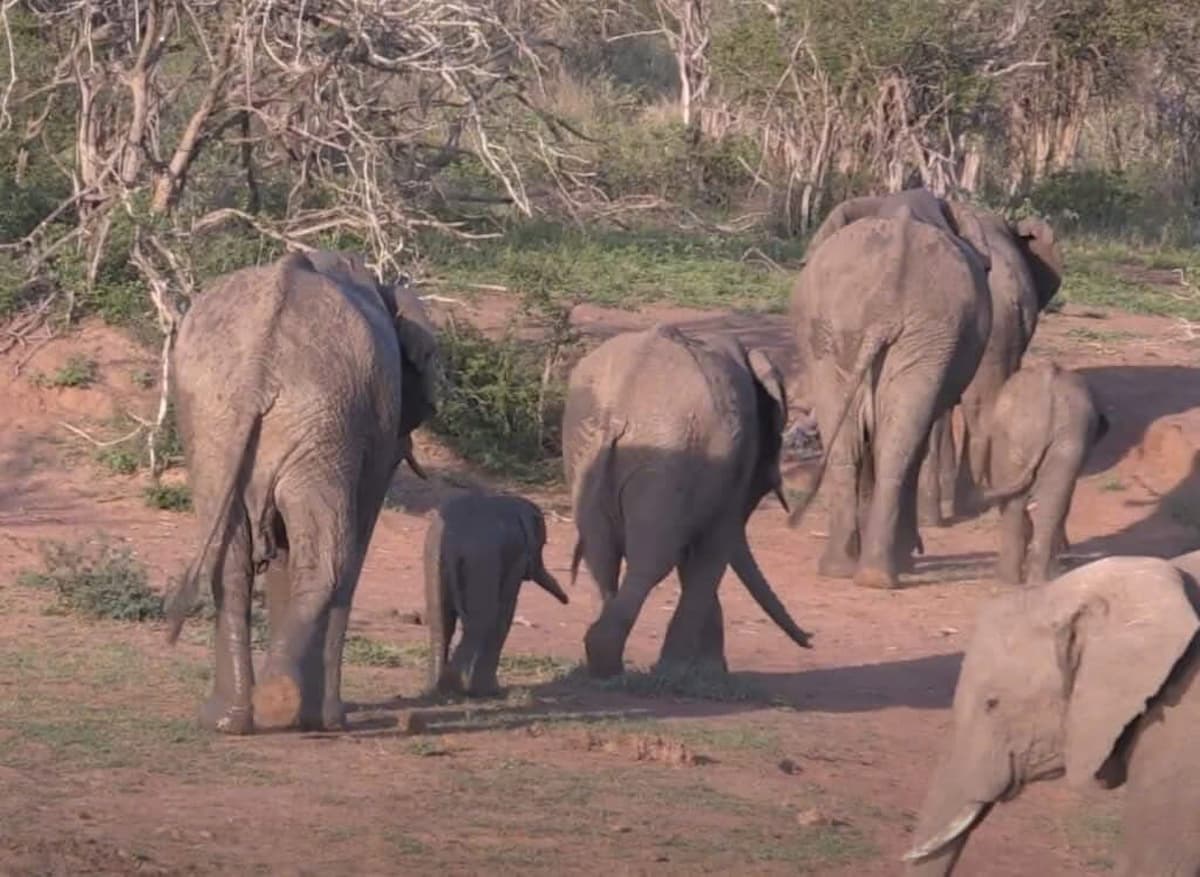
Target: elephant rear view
(891, 316)
(1044, 425)
(670, 440)
(479, 548)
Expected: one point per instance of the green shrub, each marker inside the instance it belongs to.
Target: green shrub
(95, 580)
(169, 497)
(78, 371)
(496, 410)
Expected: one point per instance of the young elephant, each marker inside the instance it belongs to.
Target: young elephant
(1043, 425)
(478, 550)
(670, 440)
(1092, 675)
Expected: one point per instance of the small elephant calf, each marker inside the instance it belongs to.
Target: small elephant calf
(479, 548)
(1044, 424)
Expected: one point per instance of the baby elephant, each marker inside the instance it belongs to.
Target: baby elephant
(1044, 423)
(479, 548)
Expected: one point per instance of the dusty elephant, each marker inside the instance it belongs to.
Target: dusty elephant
(1045, 422)
(296, 385)
(479, 548)
(1026, 272)
(891, 316)
(1092, 675)
(670, 440)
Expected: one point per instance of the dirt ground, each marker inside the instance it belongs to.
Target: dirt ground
(812, 761)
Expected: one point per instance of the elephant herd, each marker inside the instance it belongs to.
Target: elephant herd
(297, 386)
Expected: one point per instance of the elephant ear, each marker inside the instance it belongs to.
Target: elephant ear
(1121, 625)
(1042, 255)
(967, 225)
(767, 376)
(422, 358)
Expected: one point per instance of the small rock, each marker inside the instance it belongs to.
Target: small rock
(416, 724)
(662, 858)
(948, 631)
(535, 730)
(620, 829)
(206, 835)
(523, 621)
(813, 817)
(413, 617)
(790, 767)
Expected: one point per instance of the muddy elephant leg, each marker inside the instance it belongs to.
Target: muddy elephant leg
(905, 413)
(324, 559)
(1014, 539)
(229, 708)
(700, 572)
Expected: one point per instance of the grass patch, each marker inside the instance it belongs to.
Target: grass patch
(1116, 275)
(367, 652)
(78, 371)
(625, 268)
(95, 580)
(169, 497)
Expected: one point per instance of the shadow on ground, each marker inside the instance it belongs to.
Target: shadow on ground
(925, 683)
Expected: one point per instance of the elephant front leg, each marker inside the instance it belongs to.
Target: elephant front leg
(483, 680)
(229, 709)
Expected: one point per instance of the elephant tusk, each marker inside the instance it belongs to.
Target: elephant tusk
(957, 826)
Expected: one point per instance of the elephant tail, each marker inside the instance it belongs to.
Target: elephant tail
(576, 557)
(873, 344)
(1019, 485)
(179, 601)
(764, 595)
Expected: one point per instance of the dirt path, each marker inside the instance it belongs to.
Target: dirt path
(808, 760)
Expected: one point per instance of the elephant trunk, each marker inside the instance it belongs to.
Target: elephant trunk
(760, 589)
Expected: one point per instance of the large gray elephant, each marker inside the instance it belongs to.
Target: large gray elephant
(1044, 424)
(891, 314)
(479, 548)
(670, 440)
(1092, 675)
(1026, 272)
(296, 385)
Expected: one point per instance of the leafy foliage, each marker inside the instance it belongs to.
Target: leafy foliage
(96, 580)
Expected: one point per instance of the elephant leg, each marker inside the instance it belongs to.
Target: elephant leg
(905, 413)
(229, 708)
(604, 562)
(649, 560)
(441, 632)
(324, 560)
(848, 488)
(929, 497)
(700, 573)
(483, 680)
(1051, 494)
(973, 464)
(947, 464)
(1014, 538)
(712, 637)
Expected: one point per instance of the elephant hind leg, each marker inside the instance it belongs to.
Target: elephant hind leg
(1014, 539)
(848, 486)
(229, 708)
(691, 636)
(1052, 493)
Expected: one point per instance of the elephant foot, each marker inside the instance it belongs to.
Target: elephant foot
(837, 567)
(707, 665)
(489, 688)
(603, 659)
(873, 577)
(331, 718)
(931, 518)
(219, 715)
(277, 703)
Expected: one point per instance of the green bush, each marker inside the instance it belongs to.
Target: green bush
(169, 497)
(496, 411)
(95, 580)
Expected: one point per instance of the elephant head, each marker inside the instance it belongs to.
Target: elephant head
(1037, 243)
(1051, 682)
(533, 526)
(422, 371)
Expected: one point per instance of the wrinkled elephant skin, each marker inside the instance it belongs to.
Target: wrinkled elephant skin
(670, 440)
(891, 315)
(1091, 676)
(296, 385)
